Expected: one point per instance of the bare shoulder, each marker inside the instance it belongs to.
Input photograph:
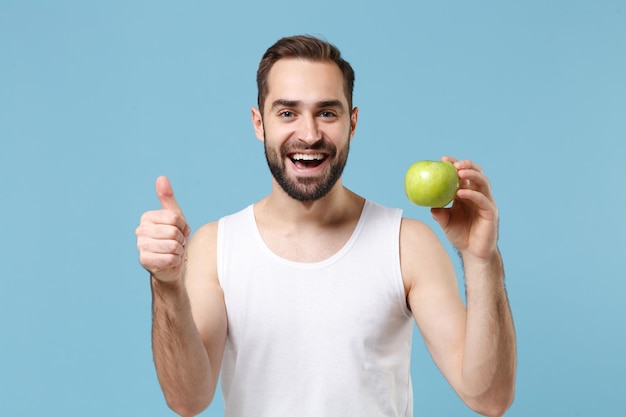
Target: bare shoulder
(416, 236)
(206, 234)
(201, 277)
(202, 249)
(423, 259)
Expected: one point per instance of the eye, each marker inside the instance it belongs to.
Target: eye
(327, 114)
(286, 114)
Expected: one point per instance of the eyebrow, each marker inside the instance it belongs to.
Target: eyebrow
(297, 103)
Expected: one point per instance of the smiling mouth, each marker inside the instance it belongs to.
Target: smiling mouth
(307, 160)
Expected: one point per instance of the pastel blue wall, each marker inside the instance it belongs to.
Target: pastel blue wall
(99, 98)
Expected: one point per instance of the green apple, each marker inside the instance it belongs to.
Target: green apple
(431, 183)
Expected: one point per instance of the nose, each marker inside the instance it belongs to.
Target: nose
(309, 130)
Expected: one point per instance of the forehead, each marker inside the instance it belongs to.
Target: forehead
(300, 79)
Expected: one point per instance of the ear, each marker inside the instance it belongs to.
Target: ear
(354, 118)
(257, 123)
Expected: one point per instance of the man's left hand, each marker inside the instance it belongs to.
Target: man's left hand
(471, 224)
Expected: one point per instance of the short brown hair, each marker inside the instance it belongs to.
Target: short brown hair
(306, 47)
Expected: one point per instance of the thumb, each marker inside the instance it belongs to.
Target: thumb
(441, 216)
(166, 195)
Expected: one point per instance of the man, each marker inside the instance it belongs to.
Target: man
(305, 299)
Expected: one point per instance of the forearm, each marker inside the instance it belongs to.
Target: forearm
(489, 357)
(181, 360)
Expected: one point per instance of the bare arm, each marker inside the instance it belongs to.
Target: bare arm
(489, 364)
(189, 317)
(474, 346)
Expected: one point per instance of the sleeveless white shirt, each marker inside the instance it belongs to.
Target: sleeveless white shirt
(325, 339)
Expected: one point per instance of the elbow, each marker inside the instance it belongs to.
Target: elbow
(188, 407)
(493, 401)
(495, 410)
(187, 410)
(494, 398)
(188, 399)
(495, 406)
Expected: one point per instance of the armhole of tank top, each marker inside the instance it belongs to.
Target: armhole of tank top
(220, 251)
(398, 278)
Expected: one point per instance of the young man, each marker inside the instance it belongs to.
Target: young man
(305, 300)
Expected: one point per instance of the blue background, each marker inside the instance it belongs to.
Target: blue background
(99, 98)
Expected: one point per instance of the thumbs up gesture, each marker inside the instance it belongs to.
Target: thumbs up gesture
(162, 236)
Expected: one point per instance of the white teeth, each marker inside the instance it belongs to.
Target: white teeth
(307, 157)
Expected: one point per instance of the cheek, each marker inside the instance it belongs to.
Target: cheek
(276, 133)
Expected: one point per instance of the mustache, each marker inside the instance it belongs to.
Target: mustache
(294, 146)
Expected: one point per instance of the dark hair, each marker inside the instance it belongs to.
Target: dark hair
(306, 47)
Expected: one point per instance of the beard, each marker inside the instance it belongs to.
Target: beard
(307, 188)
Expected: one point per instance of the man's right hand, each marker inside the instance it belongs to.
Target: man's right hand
(162, 236)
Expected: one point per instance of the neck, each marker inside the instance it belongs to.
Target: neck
(339, 204)
(308, 231)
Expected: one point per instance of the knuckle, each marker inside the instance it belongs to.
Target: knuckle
(176, 248)
(142, 245)
(146, 217)
(171, 232)
(168, 261)
(170, 217)
(146, 260)
(140, 231)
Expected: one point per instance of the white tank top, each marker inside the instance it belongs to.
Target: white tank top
(325, 339)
